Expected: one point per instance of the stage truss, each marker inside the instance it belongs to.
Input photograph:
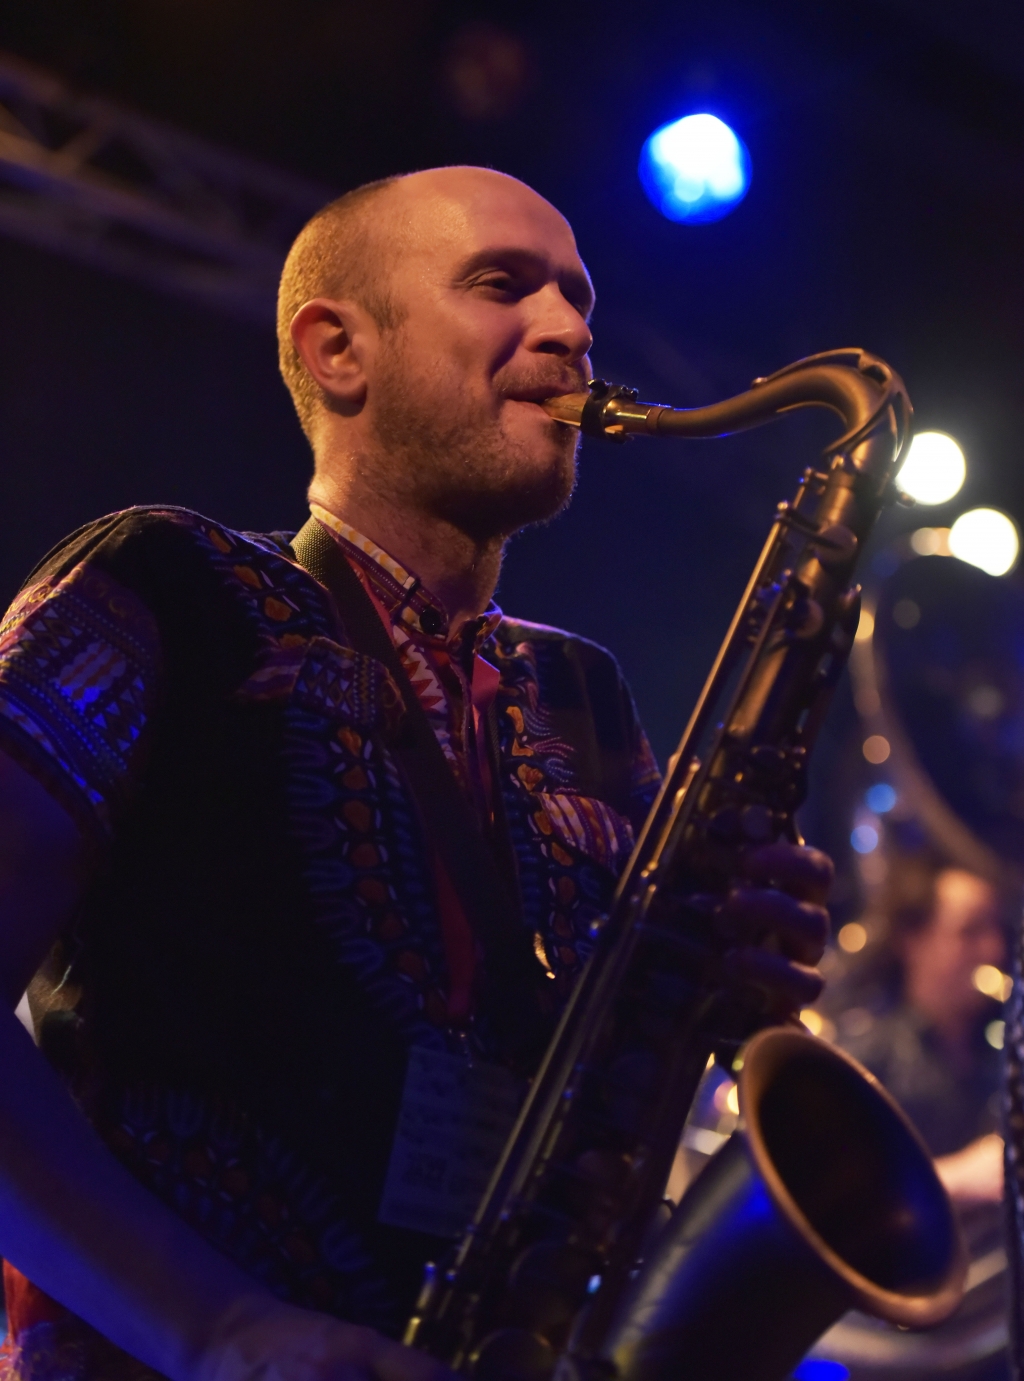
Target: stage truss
(102, 184)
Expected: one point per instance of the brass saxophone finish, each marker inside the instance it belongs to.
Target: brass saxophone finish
(548, 1273)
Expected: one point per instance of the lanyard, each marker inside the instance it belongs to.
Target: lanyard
(479, 876)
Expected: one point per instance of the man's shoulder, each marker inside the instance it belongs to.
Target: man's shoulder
(514, 635)
(568, 670)
(130, 534)
(570, 692)
(213, 591)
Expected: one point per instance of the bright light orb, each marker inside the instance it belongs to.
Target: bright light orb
(852, 937)
(880, 798)
(992, 982)
(934, 469)
(987, 538)
(876, 748)
(864, 839)
(820, 1369)
(695, 169)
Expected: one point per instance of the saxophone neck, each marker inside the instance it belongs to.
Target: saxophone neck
(859, 388)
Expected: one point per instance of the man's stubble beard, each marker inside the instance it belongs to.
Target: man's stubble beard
(440, 453)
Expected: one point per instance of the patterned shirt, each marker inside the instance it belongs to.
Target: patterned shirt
(452, 681)
(235, 1003)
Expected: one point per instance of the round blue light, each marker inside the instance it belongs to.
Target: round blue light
(820, 1369)
(880, 798)
(695, 169)
(864, 839)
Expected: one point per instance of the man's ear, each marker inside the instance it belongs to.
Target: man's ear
(332, 339)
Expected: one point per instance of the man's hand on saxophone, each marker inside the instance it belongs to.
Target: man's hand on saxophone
(776, 926)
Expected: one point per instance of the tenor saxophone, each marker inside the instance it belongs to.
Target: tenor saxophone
(825, 1196)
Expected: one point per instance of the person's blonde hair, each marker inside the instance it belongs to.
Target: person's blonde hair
(339, 253)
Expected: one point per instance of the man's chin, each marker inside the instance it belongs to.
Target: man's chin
(540, 505)
(523, 500)
(539, 488)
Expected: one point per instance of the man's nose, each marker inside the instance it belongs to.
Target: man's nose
(557, 328)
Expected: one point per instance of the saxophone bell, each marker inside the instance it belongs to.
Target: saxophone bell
(824, 1200)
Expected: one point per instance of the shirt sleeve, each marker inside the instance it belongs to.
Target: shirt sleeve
(645, 779)
(80, 677)
(645, 776)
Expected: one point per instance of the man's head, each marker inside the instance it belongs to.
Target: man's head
(420, 322)
(960, 931)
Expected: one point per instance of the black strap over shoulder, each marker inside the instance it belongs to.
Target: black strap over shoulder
(451, 824)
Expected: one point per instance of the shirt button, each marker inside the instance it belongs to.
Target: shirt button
(431, 622)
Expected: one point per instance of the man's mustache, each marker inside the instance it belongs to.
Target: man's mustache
(534, 388)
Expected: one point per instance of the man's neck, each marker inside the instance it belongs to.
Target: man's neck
(461, 573)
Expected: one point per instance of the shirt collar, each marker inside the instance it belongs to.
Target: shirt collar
(406, 599)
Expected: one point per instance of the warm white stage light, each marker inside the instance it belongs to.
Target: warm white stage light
(934, 469)
(987, 538)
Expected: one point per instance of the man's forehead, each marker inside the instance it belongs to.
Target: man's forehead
(458, 212)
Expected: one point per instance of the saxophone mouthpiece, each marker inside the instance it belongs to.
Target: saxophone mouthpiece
(567, 407)
(608, 410)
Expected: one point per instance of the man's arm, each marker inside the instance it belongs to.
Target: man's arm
(974, 1174)
(77, 1223)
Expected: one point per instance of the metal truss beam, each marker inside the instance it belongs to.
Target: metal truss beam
(101, 184)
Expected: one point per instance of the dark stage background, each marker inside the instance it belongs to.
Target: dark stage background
(887, 142)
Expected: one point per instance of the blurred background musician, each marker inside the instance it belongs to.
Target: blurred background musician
(922, 799)
(913, 1013)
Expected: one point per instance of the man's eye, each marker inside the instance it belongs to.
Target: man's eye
(500, 282)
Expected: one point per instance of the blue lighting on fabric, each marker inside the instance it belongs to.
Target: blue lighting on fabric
(818, 1369)
(880, 798)
(695, 169)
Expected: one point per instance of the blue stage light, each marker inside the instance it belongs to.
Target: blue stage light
(820, 1369)
(864, 839)
(880, 798)
(695, 169)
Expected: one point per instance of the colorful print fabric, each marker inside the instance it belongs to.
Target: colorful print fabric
(263, 945)
(79, 670)
(442, 668)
